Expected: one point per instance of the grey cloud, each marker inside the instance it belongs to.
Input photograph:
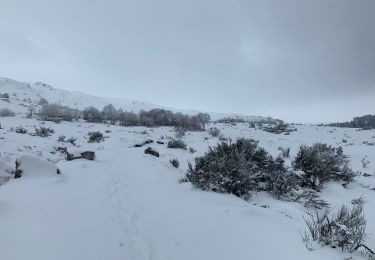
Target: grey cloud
(265, 57)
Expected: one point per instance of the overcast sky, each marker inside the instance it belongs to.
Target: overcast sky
(298, 60)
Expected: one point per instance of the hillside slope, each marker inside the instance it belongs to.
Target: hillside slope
(22, 95)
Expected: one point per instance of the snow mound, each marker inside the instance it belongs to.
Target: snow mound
(36, 167)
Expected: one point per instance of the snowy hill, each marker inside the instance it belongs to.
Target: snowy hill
(22, 95)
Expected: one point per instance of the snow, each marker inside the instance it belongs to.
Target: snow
(129, 205)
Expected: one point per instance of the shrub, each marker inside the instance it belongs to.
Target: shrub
(344, 229)
(44, 131)
(71, 140)
(4, 112)
(176, 144)
(192, 150)
(95, 137)
(240, 168)
(180, 132)
(20, 130)
(215, 132)
(321, 163)
(18, 172)
(285, 152)
(175, 163)
(42, 101)
(152, 152)
(311, 199)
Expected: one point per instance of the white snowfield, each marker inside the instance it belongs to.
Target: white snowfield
(129, 205)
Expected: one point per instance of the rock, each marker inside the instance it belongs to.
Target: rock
(88, 155)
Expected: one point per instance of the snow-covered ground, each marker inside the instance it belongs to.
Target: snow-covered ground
(129, 205)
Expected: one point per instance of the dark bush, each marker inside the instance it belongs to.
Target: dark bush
(240, 168)
(95, 137)
(20, 130)
(285, 152)
(321, 163)
(42, 101)
(192, 150)
(152, 152)
(149, 141)
(175, 163)
(44, 131)
(215, 132)
(176, 144)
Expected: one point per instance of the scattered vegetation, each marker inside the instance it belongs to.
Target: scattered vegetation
(175, 163)
(95, 137)
(285, 152)
(192, 150)
(70, 140)
(44, 131)
(149, 141)
(279, 128)
(344, 229)
(364, 122)
(176, 144)
(20, 130)
(215, 132)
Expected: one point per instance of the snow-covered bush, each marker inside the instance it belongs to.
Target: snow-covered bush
(96, 137)
(175, 163)
(215, 132)
(6, 112)
(92, 114)
(42, 101)
(240, 168)
(20, 130)
(44, 131)
(321, 163)
(345, 229)
(110, 114)
(176, 144)
(279, 128)
(70, 140)
(56, 112)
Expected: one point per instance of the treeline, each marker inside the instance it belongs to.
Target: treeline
(109, 114)
(365, 122)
